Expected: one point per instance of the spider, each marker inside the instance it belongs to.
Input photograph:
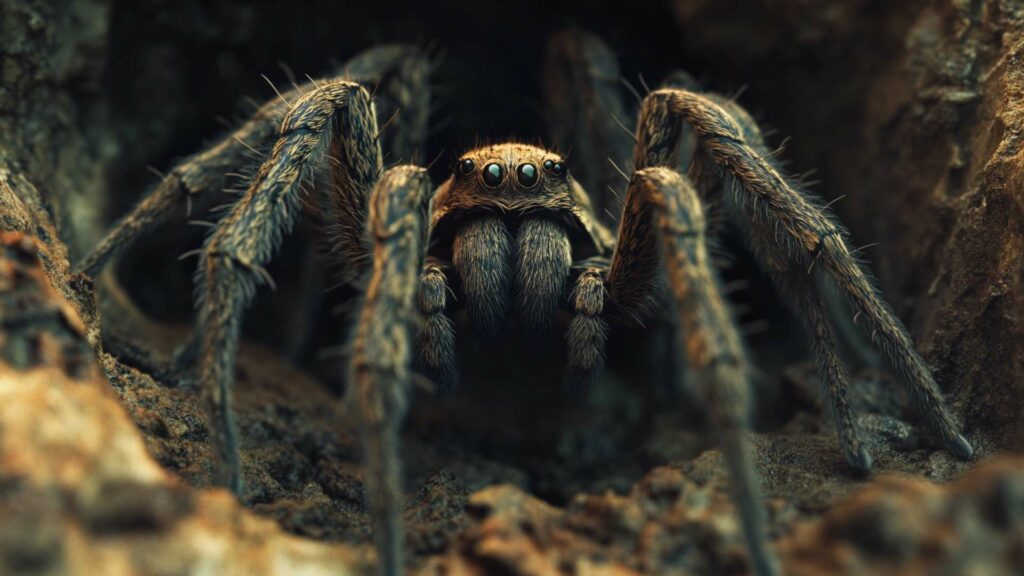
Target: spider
(512, 233)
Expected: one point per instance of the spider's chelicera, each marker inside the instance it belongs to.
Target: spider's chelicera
(512, 232)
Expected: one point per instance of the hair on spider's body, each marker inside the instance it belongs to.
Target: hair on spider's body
(511, 233)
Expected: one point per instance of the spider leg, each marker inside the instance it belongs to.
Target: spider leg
(586, 115)
(801, 292)
(231, 265)
(804, 231)
(437, 333)
(383, 346)
(715, 357)
(398, 75)
(807, 302)
(400, 69)
(587, 333)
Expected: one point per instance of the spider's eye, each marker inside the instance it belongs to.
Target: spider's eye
(493, 175)
(467, 166)
(527, 175)
(556, 168)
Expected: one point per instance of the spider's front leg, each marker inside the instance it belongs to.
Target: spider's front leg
(790, 234)
(662, 215)
(336, 117)
(383, 347)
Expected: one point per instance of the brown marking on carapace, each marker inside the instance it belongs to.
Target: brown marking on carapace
(558, 195)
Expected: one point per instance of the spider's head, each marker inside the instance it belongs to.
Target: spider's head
(512, 221)
(515, 181)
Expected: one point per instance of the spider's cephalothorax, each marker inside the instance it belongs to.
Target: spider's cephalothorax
(509, 225)
(513, 234)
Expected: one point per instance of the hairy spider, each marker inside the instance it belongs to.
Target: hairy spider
(513, 233)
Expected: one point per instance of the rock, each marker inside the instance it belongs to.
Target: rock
(668, 524)
(79, 491)
(907, 525)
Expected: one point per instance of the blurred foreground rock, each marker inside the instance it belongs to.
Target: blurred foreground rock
(79, 492)
(668, 524)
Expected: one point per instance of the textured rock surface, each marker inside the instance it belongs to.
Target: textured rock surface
(52, 113)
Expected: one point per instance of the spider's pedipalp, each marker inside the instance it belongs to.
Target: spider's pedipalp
(383, 346)
(244, 241)
(543, 256)
(587, 333)
(482, 255)
(716, 360)
(437, 333)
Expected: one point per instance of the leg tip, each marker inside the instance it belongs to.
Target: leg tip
(960, 447)
(766, 564)
(861, 460)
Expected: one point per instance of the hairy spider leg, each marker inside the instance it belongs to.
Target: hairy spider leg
(400, 72)
(715, 359)
(797, 289)
(383, 346)
(586, 115)
(802, 231)
(337, 117)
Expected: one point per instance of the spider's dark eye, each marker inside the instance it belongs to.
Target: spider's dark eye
(467, 166)
(556, 168)
(493, 175)
(527, 175)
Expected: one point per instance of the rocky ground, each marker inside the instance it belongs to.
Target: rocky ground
(912, 111)
(101, 479)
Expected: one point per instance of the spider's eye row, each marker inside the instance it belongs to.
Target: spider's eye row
(493, 175)
(527, 175)
(556, 168)
(467, 166)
